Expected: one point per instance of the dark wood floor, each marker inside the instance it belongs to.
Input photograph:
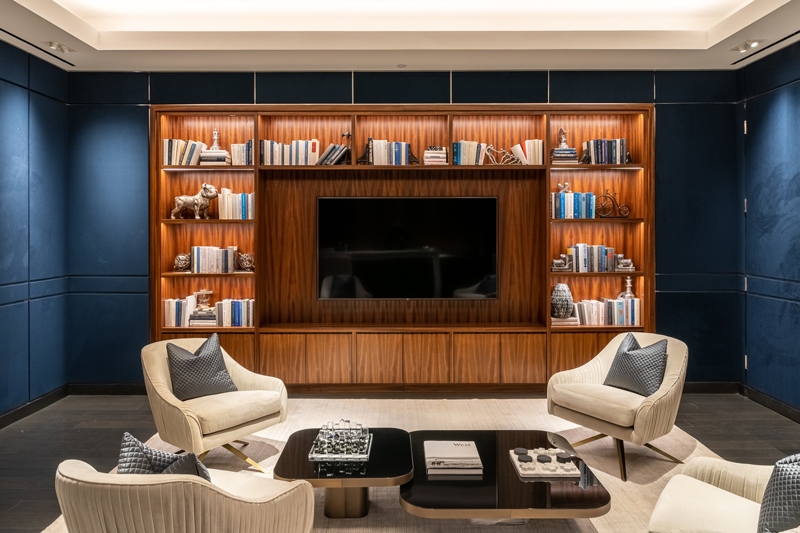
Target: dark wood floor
(90, 428)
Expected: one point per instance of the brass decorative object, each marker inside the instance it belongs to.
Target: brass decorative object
(183, 262)
(247, 262)
(606, 206)
(197, 203)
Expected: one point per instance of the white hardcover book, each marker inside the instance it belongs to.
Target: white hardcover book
(313, 155)
(637, 313)
(541, 152)
(529, 152)
(626, 311)
(483, 154)
(517, 151)
(445, 455)
(223, 203)
(285, 160)
(569, 198)
(251, 205)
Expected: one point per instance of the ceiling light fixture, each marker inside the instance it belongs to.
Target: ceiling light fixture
(59, 47)
(747, 45)
(401, 65)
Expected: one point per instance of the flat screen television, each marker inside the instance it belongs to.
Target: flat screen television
(407, 248)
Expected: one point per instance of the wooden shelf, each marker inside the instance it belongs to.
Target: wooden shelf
(402, 167)
(193, 275)
(598, 329)
(205, 168)
(198, 329)
(205, 221)
(596, 220)
(596, 274)
(558, 167)
(400, 328)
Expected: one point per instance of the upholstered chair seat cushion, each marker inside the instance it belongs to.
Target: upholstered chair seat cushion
(230, 409)
(690, 504)
(611, 404)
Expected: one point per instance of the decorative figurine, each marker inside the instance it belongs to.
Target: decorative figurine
(562, 138)
(628, 294)
(183, 262)
(562, 265)
(247, 262)
(564, 188)
(606, 206)
(203, 297)
(561, 303)
(624, 265)
(199, 202)
(505, 157)
(215, 136)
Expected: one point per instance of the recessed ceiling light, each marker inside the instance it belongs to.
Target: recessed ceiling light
(747, 45)
(401, 65)
(753, 44)
(59, 47)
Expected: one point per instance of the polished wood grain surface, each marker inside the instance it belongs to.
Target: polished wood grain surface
(523, 358)
(325, 128)
(379, 358)
(570, 350)
(594, 288)
(283, 356)
(420, 131)
(476, 358)
(426, 358)
(190, 183)
(501, 131)
(239, 346)
(328, 358)
(628, 185)
(235, 129)
(590, 126)
(624, 238)
(223, 287)
(179, 238)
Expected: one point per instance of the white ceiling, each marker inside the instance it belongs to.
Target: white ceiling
(190, 35)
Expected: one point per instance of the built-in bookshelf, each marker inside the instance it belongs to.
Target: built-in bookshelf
(312, 344)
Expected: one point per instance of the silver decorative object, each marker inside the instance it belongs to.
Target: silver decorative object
(197, 203)
(183, 262)
(561, 302)
(247, 262)
(628, 294)
(215, 136)
(341, 441)
(562, 138)
(562, 265)
(505, 157)
(564, 188)
(203, 297)
(624, 265)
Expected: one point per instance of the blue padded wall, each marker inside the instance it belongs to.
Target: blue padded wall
(500, 87)
(109, 88)
(202, 88)
(601, 86)
(771, 72)
(304, 87)
(14, 362)
(401, 87)
(13, 65)
(48, 344)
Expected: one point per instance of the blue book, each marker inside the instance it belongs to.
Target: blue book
(591, 205)
(177, 313)
(576, 205)
(238, 304)
(455, 153)
(398, 154)
(563, 197)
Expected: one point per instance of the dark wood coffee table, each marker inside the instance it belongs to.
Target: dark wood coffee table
(501, 493)
(346, 484)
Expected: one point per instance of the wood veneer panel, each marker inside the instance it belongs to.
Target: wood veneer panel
(501, 131)
(624, 238)
(586, 127)
(594, 288)
(179, 238)
(604, 338)
(476, 358)
(628, 184)
(189, 183)
(379, 358)
(235, 129)
(523, 358)
(283, 355)
(224, 287)
(571, 350)
(238, 345)
(287, 128)
(426, 358)
(328, 358)
(420, 131)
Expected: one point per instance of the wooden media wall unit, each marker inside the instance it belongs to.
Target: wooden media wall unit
(507, 343)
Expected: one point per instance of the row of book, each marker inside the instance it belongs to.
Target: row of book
(592, 258)
(238, 313)
(435, 155)
(606, 151)
(242, 154)
(334, 154)
(572, 204)
(604, 312)
(214, 260)
(300, 152)
(531, 152)
(564, 156)
(236, 206)
(184, 313)
(180, 152)
(382, 152)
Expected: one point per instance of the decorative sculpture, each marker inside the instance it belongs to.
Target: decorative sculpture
(215, 136)
(624, 265)
(564, 188)
(562, 265)
(606, 206)
(628, 294)
(505, 157)
(199, 202)
(561, 301)
(562, 138)
(183, 262)
(247, 262)
(203, 297)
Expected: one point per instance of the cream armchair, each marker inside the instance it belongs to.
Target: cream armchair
(712, 496)
(579, 396)
(202, 424)
(95, 502)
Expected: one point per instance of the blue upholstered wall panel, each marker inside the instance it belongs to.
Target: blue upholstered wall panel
(14, 179)
(698, 207)
(108, 88)
(696, 86)
(401, 87)
(49, 187)
(13, 64)
(710, 323)
(773, 329)
(202, 88)
(108, 190)
(772, 71)
(500, 87)
(304, 87)
(14, 361)
(773, 184)
(602, 86)
(109, 350)
(48, 79)
(48, 344)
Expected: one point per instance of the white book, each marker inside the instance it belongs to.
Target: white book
(451, 454)
(568, 208)
(482, 156)
(223, 203)
(517, 151)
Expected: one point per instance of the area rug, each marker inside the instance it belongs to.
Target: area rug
(632, 502)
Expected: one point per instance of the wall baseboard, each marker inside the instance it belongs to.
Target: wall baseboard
(712, 387)
(107, 388)
(33, 406)
(778, 406)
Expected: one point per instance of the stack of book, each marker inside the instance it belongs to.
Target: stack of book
(435, 155)
(300, 152)
(214, 157)
(592, 258)
(452, 460)
(213, 260)
(572, 204)
(242, 154)
(178, 311)
(204, 318)
(179, 152)
(564, 156)
(603, 312)
(333, 154)
(236, 206)
(531, 152)
(606, 151)
(469, 153)
(382, 152)
(235, 313)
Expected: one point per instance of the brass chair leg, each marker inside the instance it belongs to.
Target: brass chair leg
(243, 457)
(665, 454)
(590, 439)
(202, 456)
(621, 455)
(243, 443)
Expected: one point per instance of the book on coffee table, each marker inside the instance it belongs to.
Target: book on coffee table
(452, 458)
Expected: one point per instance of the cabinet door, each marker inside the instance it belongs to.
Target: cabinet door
(426, 358)
(476, 358)
(283, 355)
(571, 350)
(240, 346)
(328, 358)
(379, 358)
(523, 358)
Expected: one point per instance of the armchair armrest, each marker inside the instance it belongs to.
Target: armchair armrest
(657, 413)
(592, 372)
(747, 481)
(175, 421)
(246, 380)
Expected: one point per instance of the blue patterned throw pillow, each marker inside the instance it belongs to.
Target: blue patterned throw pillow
(138, 458)
(780, 508)
(637, 369)
(198, 374)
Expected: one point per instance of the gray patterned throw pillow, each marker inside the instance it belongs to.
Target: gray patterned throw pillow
(780, 508)
(637, 369)
(198, 374)
(137, 458)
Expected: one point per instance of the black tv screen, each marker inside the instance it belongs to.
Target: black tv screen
(406, 248)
